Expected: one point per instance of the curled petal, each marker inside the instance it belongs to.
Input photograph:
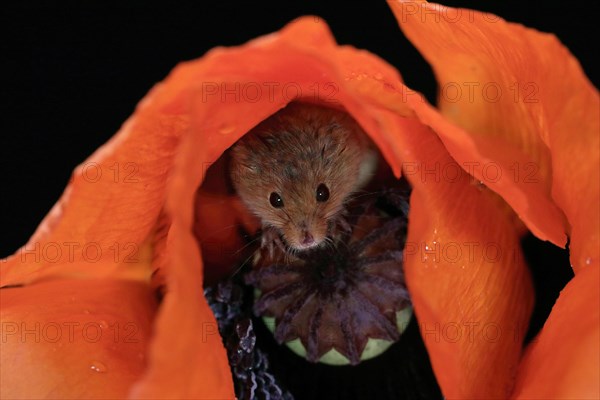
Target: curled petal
(187, 359)
(526, 109)
(115, 204)
(186, 123)
(104, 222)
(563, 362)
(468, 281)
(485, 292)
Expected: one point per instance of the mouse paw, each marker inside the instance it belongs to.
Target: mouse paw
(270, 237)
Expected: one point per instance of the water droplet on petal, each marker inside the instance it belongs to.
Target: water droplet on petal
(103, 324)
(97, 366)
(588, 261)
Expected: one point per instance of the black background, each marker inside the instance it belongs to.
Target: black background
(74, 71)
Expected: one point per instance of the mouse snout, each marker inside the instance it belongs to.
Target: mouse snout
(306, 235)
(307, 238)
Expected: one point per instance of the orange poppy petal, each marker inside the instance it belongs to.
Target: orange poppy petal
(114, 204)
(74, 338)
(199, 108)
(109, 210)
(563, 362)
(187, 359)
(484, 297)
(467, 278)
(529, 114)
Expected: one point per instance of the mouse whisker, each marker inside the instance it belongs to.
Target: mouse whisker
(362, 193)
(335, 246)
(287, 255)
(329, 244)
(253, 241)
(333, 213)
(242, 265)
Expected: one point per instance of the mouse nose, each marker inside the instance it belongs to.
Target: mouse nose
(307, 238)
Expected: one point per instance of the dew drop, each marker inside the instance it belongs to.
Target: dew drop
(226, 129)
(103, 324)
(97, 366)
(378, 76)
(588, 261)
(86, 311)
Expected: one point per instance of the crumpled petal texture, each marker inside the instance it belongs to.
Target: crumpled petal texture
(529, 113)
(303, 62)
(528, 110)
(464, 268)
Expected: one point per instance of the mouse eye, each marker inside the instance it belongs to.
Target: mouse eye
(276, 200)
(322, 192)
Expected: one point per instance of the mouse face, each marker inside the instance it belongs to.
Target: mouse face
(297, 169)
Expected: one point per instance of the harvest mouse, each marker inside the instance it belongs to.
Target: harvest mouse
(297, 169)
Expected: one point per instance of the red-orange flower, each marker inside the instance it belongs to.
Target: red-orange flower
(186, 123)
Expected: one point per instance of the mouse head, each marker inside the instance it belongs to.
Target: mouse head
(297, 169)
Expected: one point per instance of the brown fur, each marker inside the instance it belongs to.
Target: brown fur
(291, 153)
